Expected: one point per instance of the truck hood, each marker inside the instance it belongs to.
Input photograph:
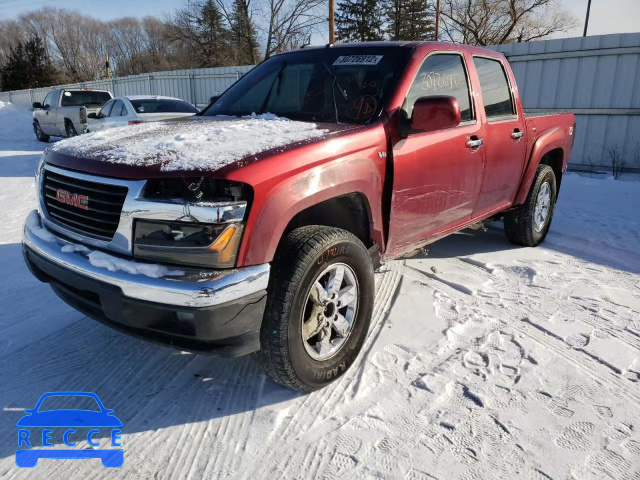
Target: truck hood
(199, 145)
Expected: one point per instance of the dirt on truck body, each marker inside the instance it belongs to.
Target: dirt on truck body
(256, 226)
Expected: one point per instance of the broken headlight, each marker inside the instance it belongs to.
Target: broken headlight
(186, 243)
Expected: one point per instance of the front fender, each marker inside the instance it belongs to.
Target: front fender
(362, 172)
(550, 140)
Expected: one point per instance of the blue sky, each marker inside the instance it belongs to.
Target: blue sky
(607, 16)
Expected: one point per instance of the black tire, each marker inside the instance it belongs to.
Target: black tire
(71, 130)
(301, 256)
(40, 135)
(519, 224)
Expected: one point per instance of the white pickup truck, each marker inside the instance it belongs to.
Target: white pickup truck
(64, 112)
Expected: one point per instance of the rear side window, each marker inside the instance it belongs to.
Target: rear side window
(496, 93)
(162, 106)
(442, 74)
(119, 110)
(76, 98)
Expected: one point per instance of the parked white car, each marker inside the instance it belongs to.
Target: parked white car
(133, 109)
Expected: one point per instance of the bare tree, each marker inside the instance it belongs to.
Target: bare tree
(616, 160)
(636, 154)
(493, 22)
(290, 23)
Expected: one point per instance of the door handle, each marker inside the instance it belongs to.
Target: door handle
(477, 143)
(517, 134)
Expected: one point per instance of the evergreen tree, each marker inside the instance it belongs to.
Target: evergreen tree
(243, 34)
(410, 20)
(28, 67)
(359, 21)
(214, 37)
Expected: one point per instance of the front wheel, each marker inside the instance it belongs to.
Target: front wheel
(529, 224)
(40, 135)
(318, 309)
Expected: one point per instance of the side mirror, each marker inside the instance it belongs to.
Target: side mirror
(92, 115)
(435, 113)
(37, 105)
(213, 99)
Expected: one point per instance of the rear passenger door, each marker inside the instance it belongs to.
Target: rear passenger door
(504, 142)
(437, 174)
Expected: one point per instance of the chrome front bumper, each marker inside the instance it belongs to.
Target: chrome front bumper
(173, 287)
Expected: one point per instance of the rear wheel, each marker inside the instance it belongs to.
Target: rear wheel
(529, 224)
(40, 135)
(71, 130)
(319, 307)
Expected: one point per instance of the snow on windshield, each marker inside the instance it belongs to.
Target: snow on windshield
(191, 145)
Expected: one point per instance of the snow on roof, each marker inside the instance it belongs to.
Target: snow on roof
(206, 144)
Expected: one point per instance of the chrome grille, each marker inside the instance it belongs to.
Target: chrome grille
(101, 217)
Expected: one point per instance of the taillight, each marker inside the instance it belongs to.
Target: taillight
(135, 122)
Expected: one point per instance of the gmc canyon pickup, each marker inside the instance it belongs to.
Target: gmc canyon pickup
(256, 226)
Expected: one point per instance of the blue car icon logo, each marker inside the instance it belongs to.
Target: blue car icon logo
(68, 419)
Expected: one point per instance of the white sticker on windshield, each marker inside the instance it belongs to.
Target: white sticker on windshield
(358, 60)
(67, 94)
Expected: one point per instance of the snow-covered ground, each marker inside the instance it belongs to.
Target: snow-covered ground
(484, 361)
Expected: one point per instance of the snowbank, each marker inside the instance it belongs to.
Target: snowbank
(15, 126)
(197, 144)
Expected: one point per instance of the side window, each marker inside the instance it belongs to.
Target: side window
(106, 110)
(496, 93)
(55, 98)
(117, 109)
(124, 112)
(47, 100)
(442, 74)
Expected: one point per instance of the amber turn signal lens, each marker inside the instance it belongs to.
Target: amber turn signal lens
(227, 243)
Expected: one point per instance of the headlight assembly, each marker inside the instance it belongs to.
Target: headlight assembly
(187, 243)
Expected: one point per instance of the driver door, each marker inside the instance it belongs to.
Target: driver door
(437, 175)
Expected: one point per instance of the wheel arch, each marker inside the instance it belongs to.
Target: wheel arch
(345, 195)
(549, 149)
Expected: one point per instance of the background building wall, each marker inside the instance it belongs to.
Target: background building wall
(597, 78)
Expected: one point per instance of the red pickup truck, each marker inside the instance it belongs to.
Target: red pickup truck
(256, 227)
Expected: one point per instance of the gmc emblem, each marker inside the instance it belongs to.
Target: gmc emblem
(73, 199)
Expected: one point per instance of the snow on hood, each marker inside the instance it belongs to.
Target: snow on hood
(197, 144)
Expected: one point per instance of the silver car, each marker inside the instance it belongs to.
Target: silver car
(133, 109)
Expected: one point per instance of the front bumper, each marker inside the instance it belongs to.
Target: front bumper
(201, 310)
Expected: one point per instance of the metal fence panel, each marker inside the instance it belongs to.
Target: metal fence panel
(196, 86)
(597, 78)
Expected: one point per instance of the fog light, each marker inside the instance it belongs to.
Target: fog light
(210, 245)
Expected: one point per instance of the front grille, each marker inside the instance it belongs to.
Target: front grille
(101, 217)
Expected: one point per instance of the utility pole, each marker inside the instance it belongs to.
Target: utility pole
(332, 35)
(586, 21)
(438, 20)
(107, 68)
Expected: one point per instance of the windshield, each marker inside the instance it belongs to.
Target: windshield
(162, 106)
(345, 85)
(73, 98)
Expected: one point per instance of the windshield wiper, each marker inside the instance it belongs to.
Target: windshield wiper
(335, 82)
(279, 79)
